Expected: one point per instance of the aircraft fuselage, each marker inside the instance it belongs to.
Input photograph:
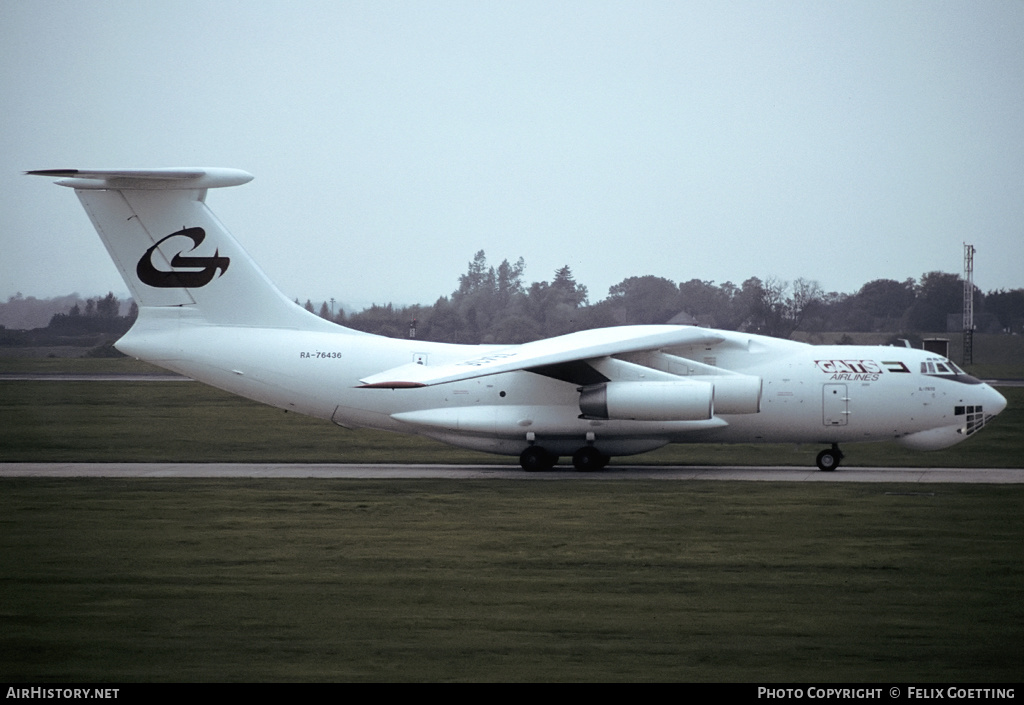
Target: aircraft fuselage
(808, 394)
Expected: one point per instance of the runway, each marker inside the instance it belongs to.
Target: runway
(508, 472)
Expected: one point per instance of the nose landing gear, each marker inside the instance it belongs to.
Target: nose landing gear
(829, 459)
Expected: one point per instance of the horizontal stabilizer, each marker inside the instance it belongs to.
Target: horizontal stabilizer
(584, 345)
(169, 178)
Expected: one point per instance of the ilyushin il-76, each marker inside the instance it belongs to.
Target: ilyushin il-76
(207, 311)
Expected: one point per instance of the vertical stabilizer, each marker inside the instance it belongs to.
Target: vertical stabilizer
(172, 251)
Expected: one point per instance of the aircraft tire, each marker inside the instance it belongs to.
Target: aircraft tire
(589, 458)
(536, 459)
(829, 459)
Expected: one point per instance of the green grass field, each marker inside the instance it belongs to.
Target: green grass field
(435, 580)
(450, 580)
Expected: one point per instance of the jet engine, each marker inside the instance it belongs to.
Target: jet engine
(685, 400)
(649, 401)
(736, 394)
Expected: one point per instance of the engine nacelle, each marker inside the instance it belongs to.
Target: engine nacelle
(649, 401)
(736, 394)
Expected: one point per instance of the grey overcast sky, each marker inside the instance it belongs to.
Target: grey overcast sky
(837, 141)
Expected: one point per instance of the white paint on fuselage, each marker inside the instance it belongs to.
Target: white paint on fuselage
(318, 373)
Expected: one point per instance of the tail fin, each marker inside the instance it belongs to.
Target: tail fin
(172, 251)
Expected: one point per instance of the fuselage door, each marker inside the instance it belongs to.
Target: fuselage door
(835, 405)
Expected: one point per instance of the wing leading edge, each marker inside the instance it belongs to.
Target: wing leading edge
(574, 347)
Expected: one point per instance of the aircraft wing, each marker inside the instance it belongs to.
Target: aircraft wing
(571, 348)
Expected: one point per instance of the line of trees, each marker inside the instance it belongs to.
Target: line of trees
(494, 305)
(93, 323)
(100, 315)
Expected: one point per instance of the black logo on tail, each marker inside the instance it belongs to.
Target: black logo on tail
(175, 279)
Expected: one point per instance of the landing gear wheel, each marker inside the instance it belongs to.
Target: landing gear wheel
(589, 458)
(828, 460)
(536, 459)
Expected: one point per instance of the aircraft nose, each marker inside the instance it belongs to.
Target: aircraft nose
(995, 403)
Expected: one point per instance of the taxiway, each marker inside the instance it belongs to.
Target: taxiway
(501, 472)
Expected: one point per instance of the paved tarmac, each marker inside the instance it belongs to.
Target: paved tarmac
(508, 472)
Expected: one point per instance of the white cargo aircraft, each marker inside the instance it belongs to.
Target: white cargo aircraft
(207, 311)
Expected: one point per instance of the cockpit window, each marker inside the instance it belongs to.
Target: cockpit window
(940, 366)
(945, 369)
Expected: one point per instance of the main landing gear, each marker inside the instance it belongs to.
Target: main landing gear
(587, 458)
(536, 459)
(829, 459)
